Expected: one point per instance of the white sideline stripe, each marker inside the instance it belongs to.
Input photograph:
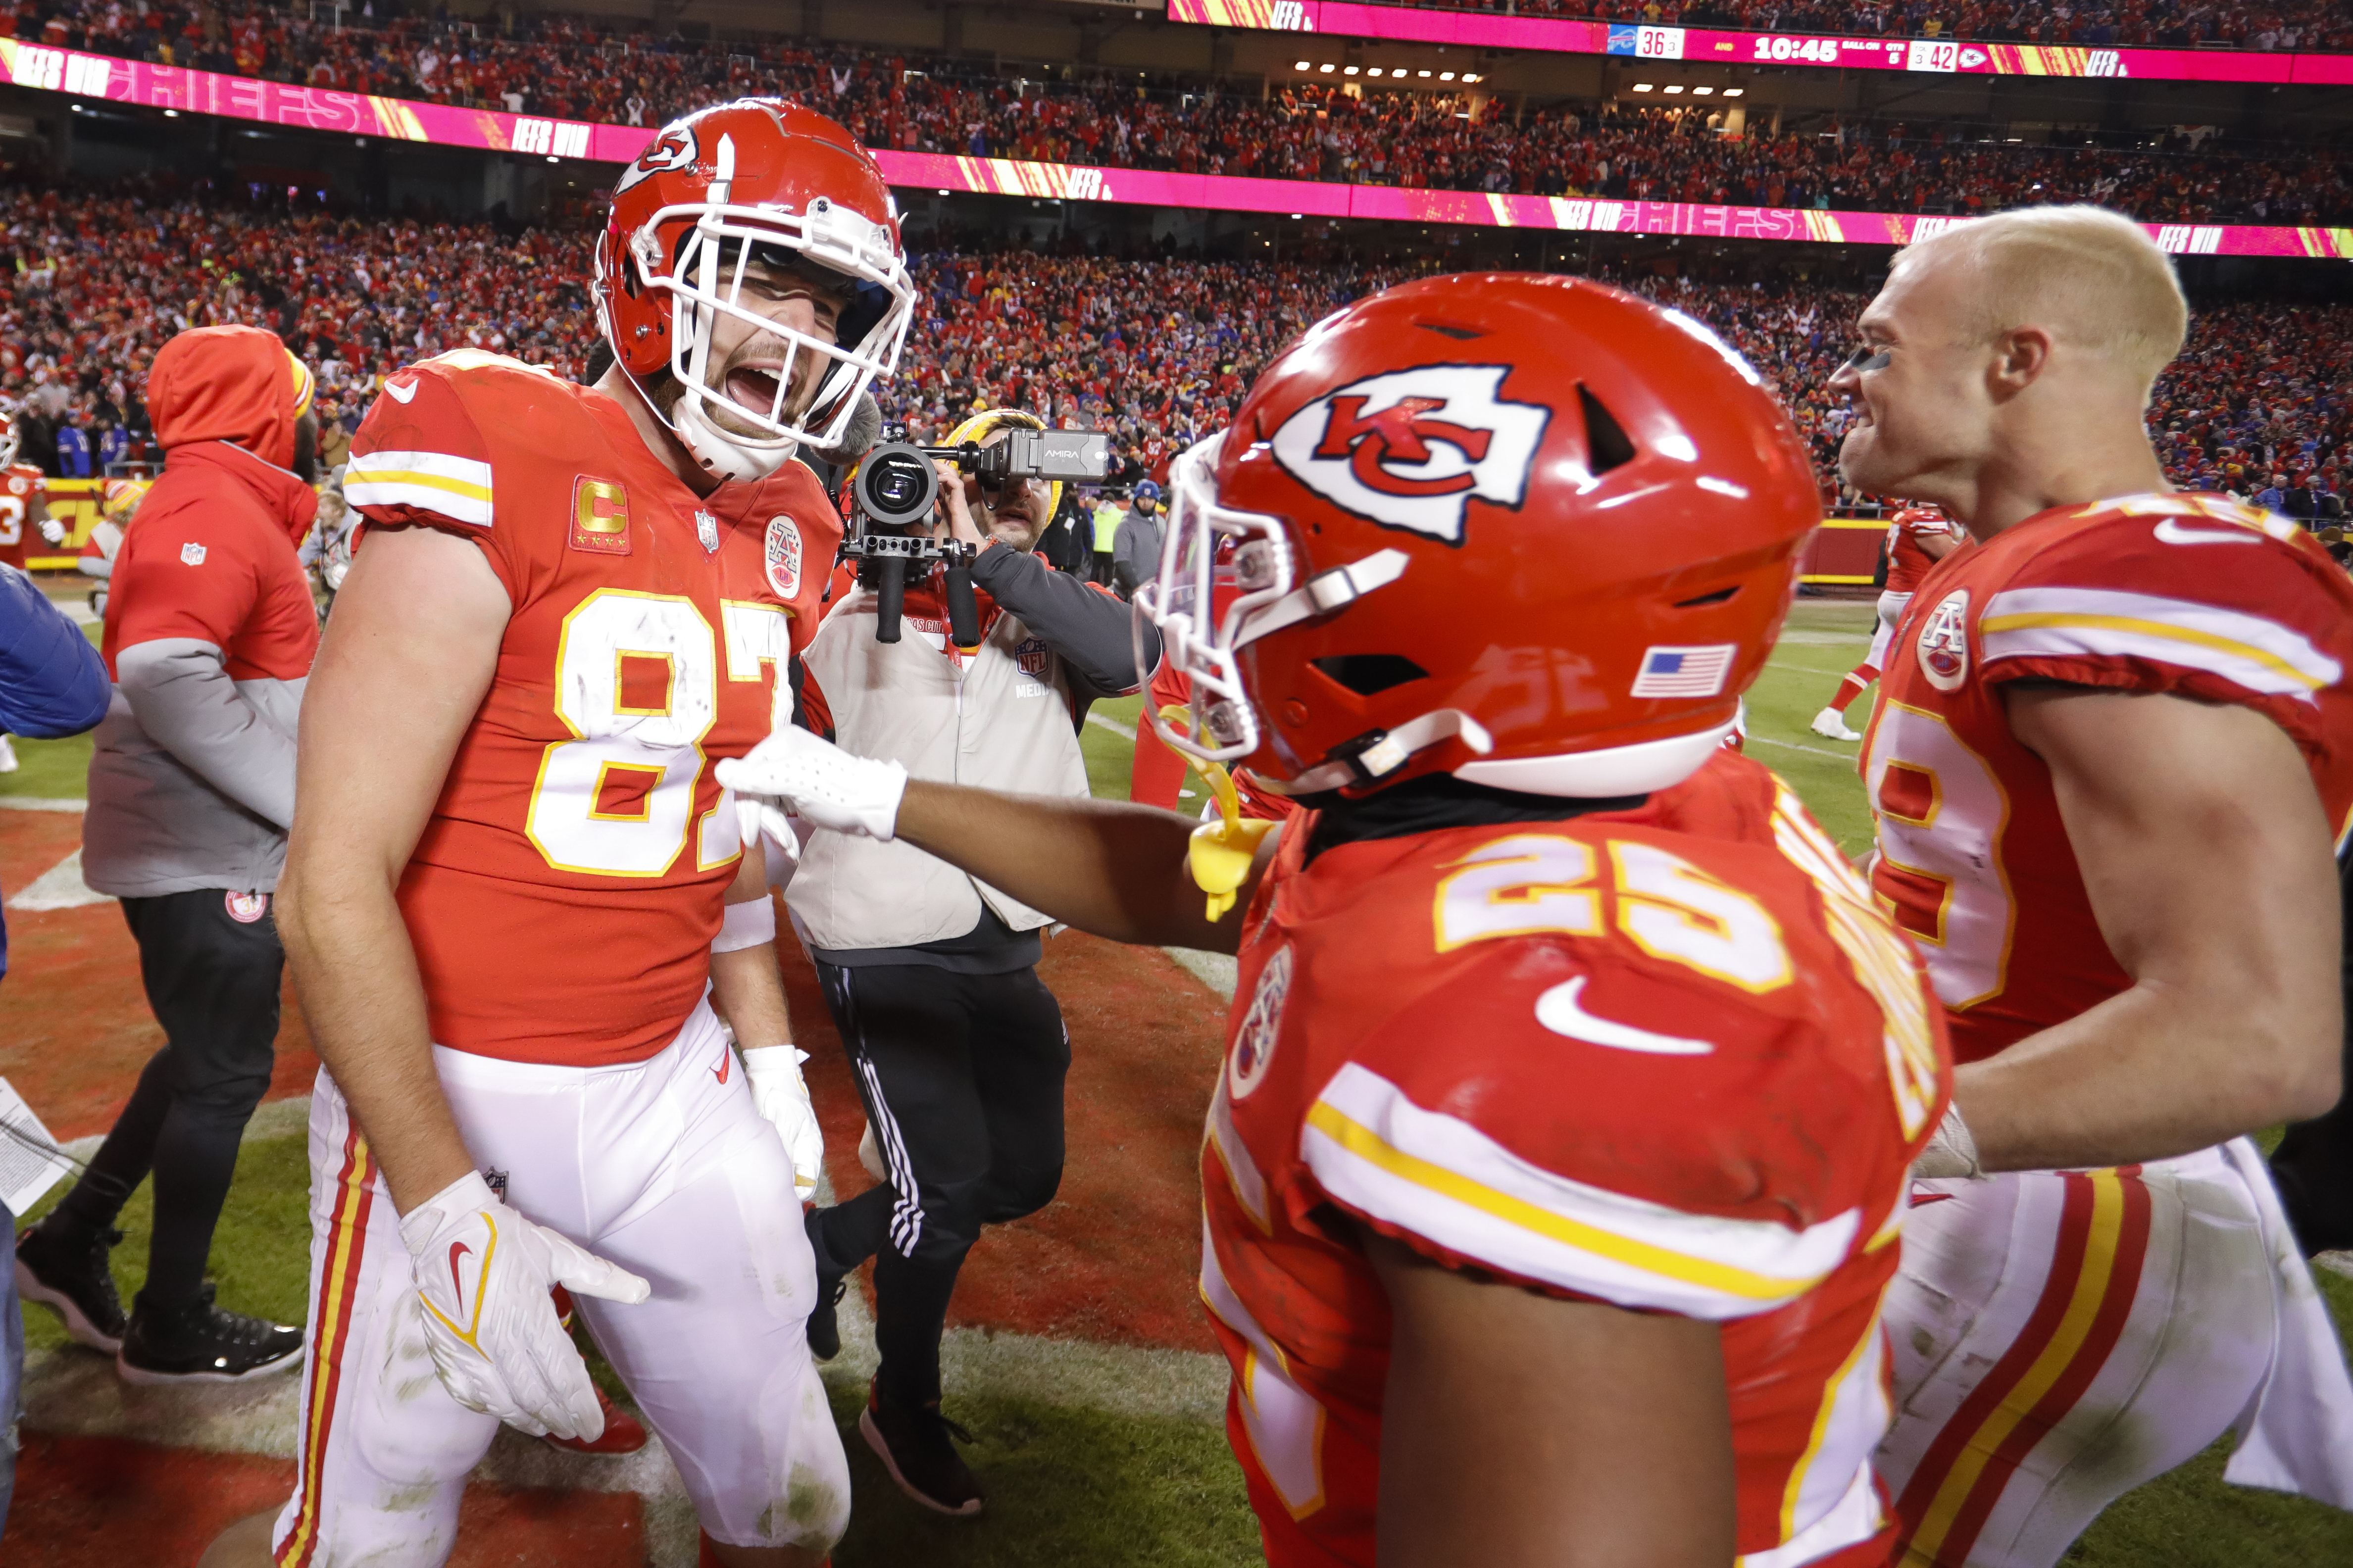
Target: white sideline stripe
(1220, 971)
(74, 1392)
(40, 803)
(1793, 746)
(1125, 731)
(59, 887)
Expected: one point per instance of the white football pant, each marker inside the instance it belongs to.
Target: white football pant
(1891, 610)
(662, 1166)
(2061, 1337)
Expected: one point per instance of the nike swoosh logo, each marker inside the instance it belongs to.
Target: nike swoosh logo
(1922, 1199)
(2169, 531)
(458, 1249)
(400, 394)
(1560, 1011)
(726, 1063)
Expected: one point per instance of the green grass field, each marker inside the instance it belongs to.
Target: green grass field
(1074, 1484)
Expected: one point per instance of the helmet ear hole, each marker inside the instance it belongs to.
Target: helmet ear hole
(1368, 674)
(1607, 445)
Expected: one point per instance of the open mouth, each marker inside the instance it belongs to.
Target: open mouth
(753, 388)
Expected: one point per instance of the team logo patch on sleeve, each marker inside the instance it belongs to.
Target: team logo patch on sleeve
(1684, 671)
(600, 517)
(784, 557)
(1412, 448)
(1254, 1040)
(1943, 642)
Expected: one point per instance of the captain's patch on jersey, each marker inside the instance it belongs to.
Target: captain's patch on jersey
(784, 557)
(1684, 671)
(1943, 642)
(1412, 448)
(1254, 1040)
(600, 517)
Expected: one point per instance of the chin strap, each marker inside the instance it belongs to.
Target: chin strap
(1376, 754)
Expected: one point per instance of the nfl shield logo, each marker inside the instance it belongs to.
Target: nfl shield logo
(1032, 656)
(785, 557)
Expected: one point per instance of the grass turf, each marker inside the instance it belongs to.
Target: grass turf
(1081, 1486)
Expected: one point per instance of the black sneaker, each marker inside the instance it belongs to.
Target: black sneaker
(72, 1278)
(912, 1442)
(201, 1343)
(824, 1326)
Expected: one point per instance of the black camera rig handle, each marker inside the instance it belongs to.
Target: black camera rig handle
(884, 562)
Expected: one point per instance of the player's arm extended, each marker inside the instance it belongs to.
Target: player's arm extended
(1521, 1430)
(2207, 858)
(402, 668)
(746, 987)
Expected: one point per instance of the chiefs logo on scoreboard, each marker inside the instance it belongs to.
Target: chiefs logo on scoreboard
(1413, 448)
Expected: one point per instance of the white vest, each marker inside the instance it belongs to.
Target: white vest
(1001, 720)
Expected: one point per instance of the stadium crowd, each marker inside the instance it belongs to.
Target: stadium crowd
(2162, 24)
(577, 68)
(1157, 351)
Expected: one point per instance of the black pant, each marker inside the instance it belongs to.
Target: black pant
(212, 980)
(962, 1076)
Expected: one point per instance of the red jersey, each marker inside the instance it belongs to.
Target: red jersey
(1907, 563)
(1666, 1058)
(21, 485)
(2189, 593)
(564, 897)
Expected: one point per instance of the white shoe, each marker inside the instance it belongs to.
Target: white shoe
(1831, 725)
(7, 756)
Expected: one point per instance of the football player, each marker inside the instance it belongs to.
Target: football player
(1555, 1168)
(512, 872)
(2114, 747)
(1917, 538)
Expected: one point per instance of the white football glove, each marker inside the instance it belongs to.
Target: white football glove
(482, 1277)
(52, 530)
(1951, 1153)
(795, 772)
(780, 1095)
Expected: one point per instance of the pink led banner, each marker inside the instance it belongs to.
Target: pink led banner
(314, 108)
(1960, 56)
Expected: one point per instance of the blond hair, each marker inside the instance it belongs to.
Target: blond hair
(2091, 278)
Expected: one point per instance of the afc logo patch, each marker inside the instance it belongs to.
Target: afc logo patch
(1033, 655)
(1254, 1040)
(784, 558)
(1412, 448)
(600, 517)
(1943, 642)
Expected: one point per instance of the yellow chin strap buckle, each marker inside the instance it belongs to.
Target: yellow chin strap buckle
(1221, 849)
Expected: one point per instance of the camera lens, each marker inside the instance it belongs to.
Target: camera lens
(896, 485)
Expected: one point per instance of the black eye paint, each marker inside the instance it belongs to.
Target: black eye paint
(1866, 358)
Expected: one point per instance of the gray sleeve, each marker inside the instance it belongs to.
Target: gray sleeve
(1088, 628)
(186, 703)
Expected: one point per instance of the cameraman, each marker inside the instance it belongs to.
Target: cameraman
(957, 1048)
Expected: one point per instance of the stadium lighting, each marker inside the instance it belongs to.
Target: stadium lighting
(1423, 75)
(943, 193)
(1468, 75)
(1296, 216)
(1641, 86)
(1733, 91)
(171, 114)
(1702, 91)
(1446, 76)
(1674, 87)
(1326, 67)
(1303, 64)
(553, 159)
(1372, 70)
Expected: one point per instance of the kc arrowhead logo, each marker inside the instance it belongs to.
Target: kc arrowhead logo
(1412, 448)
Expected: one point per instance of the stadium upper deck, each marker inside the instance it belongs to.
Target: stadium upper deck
(1521, 140)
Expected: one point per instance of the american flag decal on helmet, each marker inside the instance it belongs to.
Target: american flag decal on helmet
(1684, 671)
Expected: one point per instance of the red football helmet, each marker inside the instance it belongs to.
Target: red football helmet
(1519, 528)
(709, 193)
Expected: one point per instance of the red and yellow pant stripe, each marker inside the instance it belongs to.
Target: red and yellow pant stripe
(330, 1329)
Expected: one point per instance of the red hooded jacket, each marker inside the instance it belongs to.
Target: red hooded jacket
(210, 631)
